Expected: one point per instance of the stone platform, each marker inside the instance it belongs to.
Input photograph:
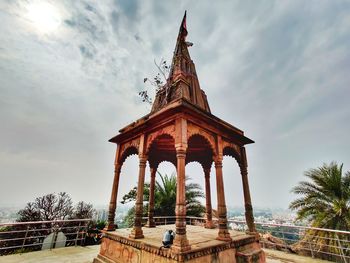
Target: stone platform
(117, 247)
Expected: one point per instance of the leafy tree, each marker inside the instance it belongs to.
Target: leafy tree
(325, 202)
(165, 198)
(29, 213)
(83, 210)
(55, 207)
(48, 207)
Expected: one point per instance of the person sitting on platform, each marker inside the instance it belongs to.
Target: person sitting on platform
(168, 238)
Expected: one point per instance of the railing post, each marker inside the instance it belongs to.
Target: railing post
(311, 250)
(25, 237)
(54, 238)
(85, 230)
(341, 249)
(77, 235)
(284, 238)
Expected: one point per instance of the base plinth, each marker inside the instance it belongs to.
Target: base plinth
(136, 233)
(117, 247)
(209, 224)
(110, 227)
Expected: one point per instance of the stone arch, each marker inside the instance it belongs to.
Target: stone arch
(162, 149)
(195, 161)
(206, 138)
(193, 130)
(165, 161)
(200, 150)
(131, 150)
(233, 151)
(151, 137)
(128, 148)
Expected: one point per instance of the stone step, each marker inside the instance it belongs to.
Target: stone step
(250, 256)
(102, 259)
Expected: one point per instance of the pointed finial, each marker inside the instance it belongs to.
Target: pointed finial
(183, 27)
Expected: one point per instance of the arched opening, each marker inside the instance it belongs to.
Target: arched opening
(200, 150)
(162, 149)
(165, 190)
(194, 170)
(128, 187)
(162, 194)
(132, 150)
(233, 182)
(199, 160)
(195, 182)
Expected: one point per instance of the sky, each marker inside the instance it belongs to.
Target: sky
(70, 73)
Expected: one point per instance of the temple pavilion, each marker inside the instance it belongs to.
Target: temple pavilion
(181, 129)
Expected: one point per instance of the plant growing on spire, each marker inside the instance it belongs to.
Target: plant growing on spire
(159, 81)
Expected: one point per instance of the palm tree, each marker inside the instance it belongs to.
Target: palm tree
(325, 203)
(165, 198)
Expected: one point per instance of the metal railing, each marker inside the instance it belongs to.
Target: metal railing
(310, 241)
(30, 236)
(315, 242)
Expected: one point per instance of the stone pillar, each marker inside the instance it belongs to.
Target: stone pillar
(180, 242)
(150, 222)
(249, 217)
(208, 208)
(113, 202)
(222, 211)
(137, 230)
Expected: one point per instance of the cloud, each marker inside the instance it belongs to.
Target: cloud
(277, 70)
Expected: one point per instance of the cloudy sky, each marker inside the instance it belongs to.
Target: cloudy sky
(70, 73)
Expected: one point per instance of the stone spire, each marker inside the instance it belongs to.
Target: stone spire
(182, 82)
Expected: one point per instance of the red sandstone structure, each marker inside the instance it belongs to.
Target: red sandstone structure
(181, 129)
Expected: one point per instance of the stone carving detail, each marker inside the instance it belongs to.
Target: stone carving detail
(116, 251)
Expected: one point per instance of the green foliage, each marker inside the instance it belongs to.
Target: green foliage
(132, 194)
(128, 220)
(165, 199)
(100, 224)
(165, 195)
(325, 202)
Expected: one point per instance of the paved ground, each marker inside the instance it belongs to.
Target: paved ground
(58, 255)
(87, 254)
(274, 256)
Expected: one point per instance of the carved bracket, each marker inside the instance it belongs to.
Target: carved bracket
(125, 147)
